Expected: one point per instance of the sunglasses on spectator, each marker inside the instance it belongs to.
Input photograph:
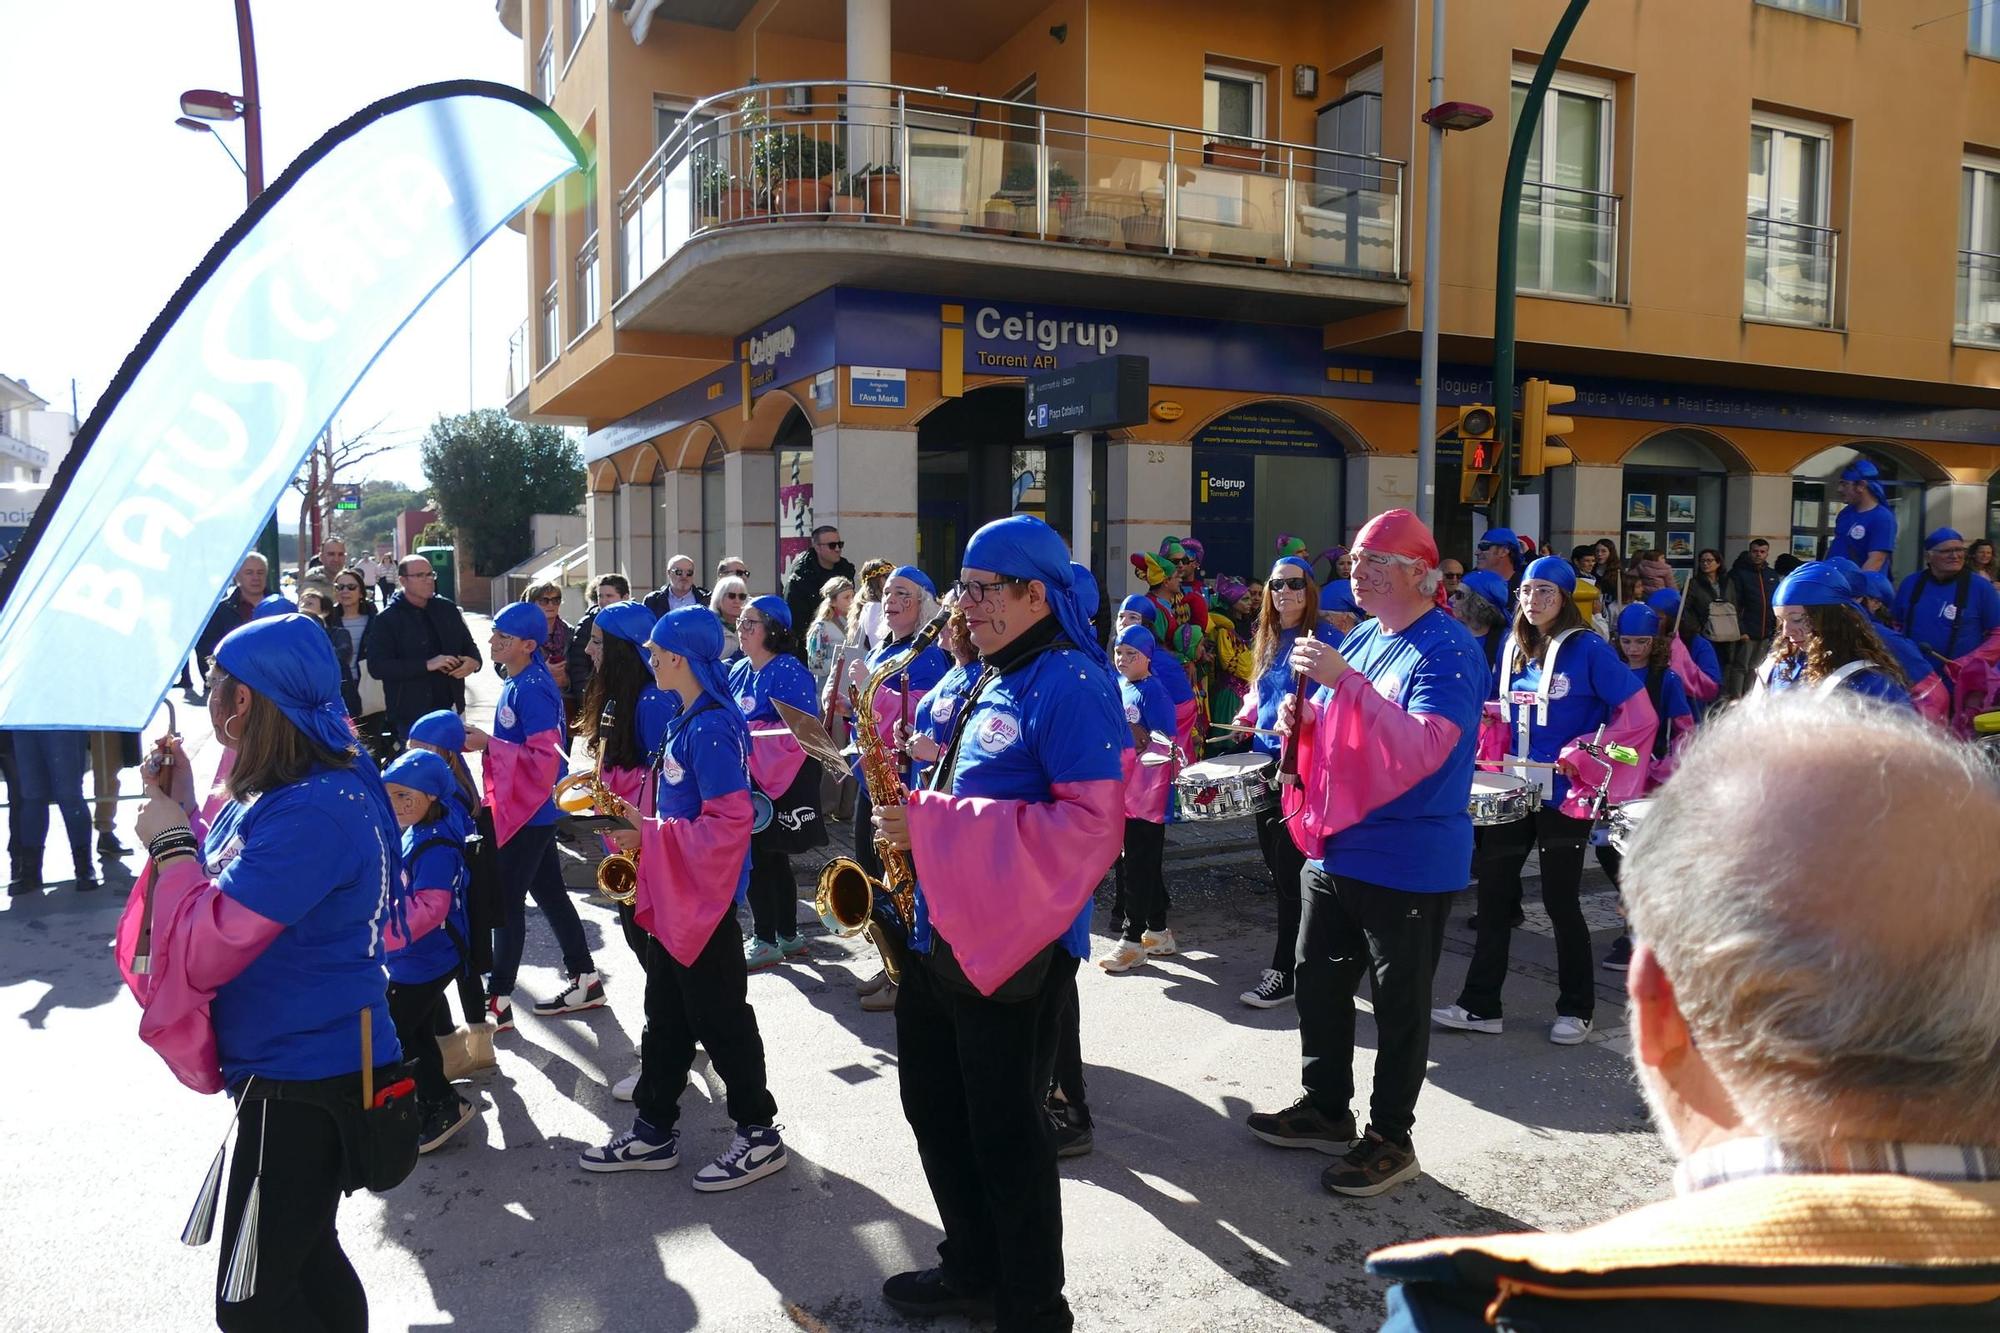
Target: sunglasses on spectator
(735, 596)
(682, 573)
(736, 573)
(834, 546)
(556, 600)
(1289, 584)
(348, 587)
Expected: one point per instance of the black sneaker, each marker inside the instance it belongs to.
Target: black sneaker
(585, 991)
(1272, 989)
(108, 844)
(932, 1291)
(1620, 957)
(1303, 1125)
(1374, 1166)
(1072, 1134)
(443, 1121)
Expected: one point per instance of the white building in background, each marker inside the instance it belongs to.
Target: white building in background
(34, 439)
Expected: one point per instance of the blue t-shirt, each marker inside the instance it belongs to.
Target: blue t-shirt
(531, 704)
(438, 866)
(1591, 680)
(1857, 532)
(1703, 653)
(1915, 662)
(1276, 685)
(657, 707)
(1172, 675)
(1421, 842)
(704, 759)
(939, 707)
(1672, 703)
(1054, 719)
(1867, 681)
(1145, 705)
(315, 857)
(783, 678)
(1929, 609)
(917, 679)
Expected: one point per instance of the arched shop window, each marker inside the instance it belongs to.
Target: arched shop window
(794, 452)
(1816, 502)
(711, 512)
(1672, 500)
(1260, 470)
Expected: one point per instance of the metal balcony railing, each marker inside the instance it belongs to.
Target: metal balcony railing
(584, 311)
(545, 69)
(1788, 270)
(1568, 242)
(549, 330)
(875, 154)
(1978, 298)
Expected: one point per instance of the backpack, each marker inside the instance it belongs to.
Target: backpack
(1723, 626)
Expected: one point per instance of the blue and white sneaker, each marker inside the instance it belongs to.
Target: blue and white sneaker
(756, 1152)
(760, 954)
(637, 1149)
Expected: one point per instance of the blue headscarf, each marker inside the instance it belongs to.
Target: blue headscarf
(1488, 587)
(629, 621)
(1875, 584)
(1548, 569)
(1941, 536)
(1667, 601)
(277, 604)
(1139, 605)
(1816, 583)
(1024, 547)
(695, 632)
(775, 610)
(1339, 596)
(1638, 619)
(523, 620)
(1865, 472)
(1088, 596)
(1297, 562)
(443, 728)
(1849, 571)
(1138, 638)
(420, 770)
(916, 576)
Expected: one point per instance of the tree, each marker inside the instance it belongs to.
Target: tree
(489, 473)
(315, 480)
(374, 524)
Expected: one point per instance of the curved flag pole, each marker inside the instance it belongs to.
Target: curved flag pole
(209, 417)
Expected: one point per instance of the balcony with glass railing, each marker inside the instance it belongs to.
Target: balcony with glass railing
(586, 308)
(1978, 298)
(548, 340)
(518, 369)
(855, 155)
(1788, 271)
(1568, 243)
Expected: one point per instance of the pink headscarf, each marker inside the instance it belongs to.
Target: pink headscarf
(1400, 532)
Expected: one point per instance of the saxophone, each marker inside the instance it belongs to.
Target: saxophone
(845, 894)
(580, 793)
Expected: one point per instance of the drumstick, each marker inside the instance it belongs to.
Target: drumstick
(367, 1059)
(1495, 764)
(1247, 731)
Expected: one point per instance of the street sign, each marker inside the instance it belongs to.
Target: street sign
(349, 499)
(877, 386)
(1092, 395)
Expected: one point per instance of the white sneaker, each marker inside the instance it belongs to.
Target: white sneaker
(1569, 1030)
(585, 991)
(1123, 959)
(1160, 945)
(1454, 1016)
(756, 1152)
(622, 1090)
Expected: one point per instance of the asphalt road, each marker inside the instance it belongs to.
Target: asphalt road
(1177, 1220)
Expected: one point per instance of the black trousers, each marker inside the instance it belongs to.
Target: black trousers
(415, 1006)
(774, 895)
(707, 1003)
(304, 1281)
(1349, 929)
(864, 832)
(1141, 901)
(974, 1080)
(1502, 851)
(1286, 862)
(1065, 1061)
(1612, 860)
(529, 866)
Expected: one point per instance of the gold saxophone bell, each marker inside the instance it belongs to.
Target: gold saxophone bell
(844, 898)
(583, 793)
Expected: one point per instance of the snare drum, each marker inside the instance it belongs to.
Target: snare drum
(1502, 798)
(1229, 786)
(1621, 825)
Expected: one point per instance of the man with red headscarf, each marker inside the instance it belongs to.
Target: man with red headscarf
(1385, 749)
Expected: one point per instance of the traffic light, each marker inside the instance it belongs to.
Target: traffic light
(1480, 456)
(1538, 428)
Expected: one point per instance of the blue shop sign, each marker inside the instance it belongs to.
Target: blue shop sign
(878, 386)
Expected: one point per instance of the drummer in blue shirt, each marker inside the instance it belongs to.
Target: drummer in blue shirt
(1865, 531)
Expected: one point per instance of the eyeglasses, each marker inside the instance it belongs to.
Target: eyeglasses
(972, 590)
(426, 574)
(1948, 550)
(834, 546)
(738, 573)
(735, 596)
(550, 601)
(1450, 577)
(1290, 585)
(1495, 546)
(347, 587)
(1538, 594)
(682, 573)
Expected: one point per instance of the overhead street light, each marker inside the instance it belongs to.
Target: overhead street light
(1457, 116)
(208, 104)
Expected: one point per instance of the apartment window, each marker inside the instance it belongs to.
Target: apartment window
(1232, 103)
(1789, 245)
(1824, 9)
(1568, 244)
(545, 69)
(1982, 37)
(1979, 253)
(576, 18)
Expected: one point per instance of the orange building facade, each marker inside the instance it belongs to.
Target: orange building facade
(828, 241)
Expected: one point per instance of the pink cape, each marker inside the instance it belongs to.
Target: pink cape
(775, 760)
(1185, 714)
(888, 712)
(519, 780)
(1148, 788)
(1699, 687)
(1004, 878)
(1631, 723)
(688, 869)
(1357, 752)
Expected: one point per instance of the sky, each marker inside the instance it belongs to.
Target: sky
(109, 205)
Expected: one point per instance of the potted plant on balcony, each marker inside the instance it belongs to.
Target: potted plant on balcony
(789, 169)
(711, 182)
(882, 187)
(1062, 197)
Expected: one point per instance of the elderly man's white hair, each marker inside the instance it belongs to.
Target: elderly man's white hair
(1821, 884)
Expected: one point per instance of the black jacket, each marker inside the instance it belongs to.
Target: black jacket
(1701, 596)
(230, 612)
(1751, 588)
(655, 601)
(577, 660)
(802, 584)
(400, 639)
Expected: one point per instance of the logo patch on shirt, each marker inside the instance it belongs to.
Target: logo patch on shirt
(671, 770)
(228, 852)
(1132, 713)
(1949, 613)
(996, 731)
(746, 702)
(941, 708)
(1857, 532)
(1559, 686)
(1389, 687)
(504, 715)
